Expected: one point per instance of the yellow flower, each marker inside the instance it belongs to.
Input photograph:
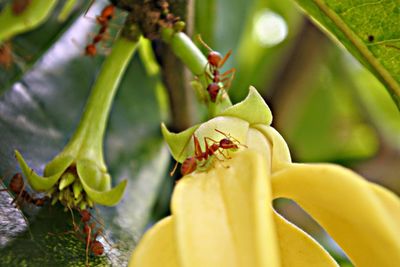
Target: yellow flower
(224, 216)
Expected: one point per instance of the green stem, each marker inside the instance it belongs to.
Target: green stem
(186, 50)
(35, 14)
(87, 141)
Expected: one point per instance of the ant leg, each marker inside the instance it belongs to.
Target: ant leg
(222, 62)
(221, 151)
(229, 79)
(88, 241)
(228, 72)
(221, 160)
(212, 140)
(76, 227)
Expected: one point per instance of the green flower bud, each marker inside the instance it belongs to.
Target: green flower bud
(78, 176)
(66, 179)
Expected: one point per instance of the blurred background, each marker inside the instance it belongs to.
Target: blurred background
(325, 104)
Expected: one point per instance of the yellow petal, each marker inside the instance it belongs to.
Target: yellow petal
(224, 217)
(353, 211)
(298, 249)
(157, 247)
(280, 151)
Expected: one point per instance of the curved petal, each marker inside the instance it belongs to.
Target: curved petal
(298, 249)
(91, 175)
(38, 183)
(157, 247)
(97, 184)
(107, 198)
(224, 217)
(280, 151)
(59, 164)
(351, 210)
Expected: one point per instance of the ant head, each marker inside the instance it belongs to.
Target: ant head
(188, 166)
(214, 58)
(85, 214)
(108, 12)
(229, 142)
(97, 248)
(226, 143)
(90, 50)
(16, 183)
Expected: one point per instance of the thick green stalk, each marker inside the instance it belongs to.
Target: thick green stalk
(88, 138)
(188, 52)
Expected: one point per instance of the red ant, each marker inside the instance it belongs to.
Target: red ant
(103, 20)
(17, 186)
(90, 235)
(6, 56)
(190, 164)
(215, 62)
(19, 6)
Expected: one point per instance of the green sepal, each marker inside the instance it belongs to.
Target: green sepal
(252, 109)
(90, 173)
(178, 142)
(97, 184)
(66, 179)
(106, 198)
(59, 164)
(37, 182)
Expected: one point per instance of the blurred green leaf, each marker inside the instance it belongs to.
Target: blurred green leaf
(30, 46)
(325, 122)
(370, 30)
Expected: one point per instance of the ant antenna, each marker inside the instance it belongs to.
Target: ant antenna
(171, 173)
(230, 137)
(203, 43)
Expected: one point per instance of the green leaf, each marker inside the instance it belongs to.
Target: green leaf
(369, 30)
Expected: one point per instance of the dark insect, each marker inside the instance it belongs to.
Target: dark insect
(19, 6)
(6, 56)
(218, 80)
(89, 234)
(107, 14)
(17, 186)
(190, 164)
(371, 38)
